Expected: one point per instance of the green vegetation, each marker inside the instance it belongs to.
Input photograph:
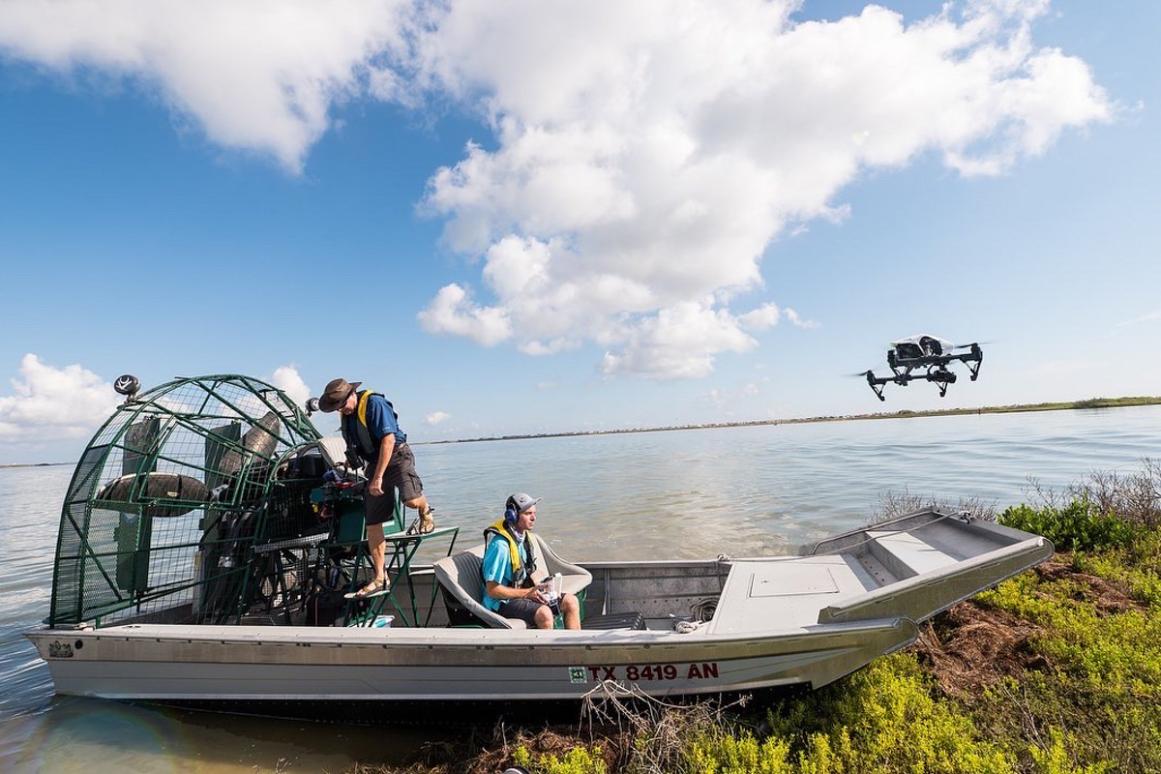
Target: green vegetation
(1078, 526)
(1056, 671)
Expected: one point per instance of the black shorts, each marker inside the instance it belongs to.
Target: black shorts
(401, 475)
(521, 609)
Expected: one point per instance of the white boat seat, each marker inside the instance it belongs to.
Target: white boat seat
(461, 577)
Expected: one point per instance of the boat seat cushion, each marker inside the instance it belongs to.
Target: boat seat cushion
(461, 578)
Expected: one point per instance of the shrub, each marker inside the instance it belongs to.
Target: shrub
(578, 760)
(1078, 526)
(884, 718)
(1135, 497)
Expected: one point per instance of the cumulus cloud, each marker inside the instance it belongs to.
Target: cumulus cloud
(643, 156)
(436, 417)
(678, 342)
(451, 311)
(260, 75)
(287, 379)
(648, 154)
(768, 315)
(49, 403)
(796, 320)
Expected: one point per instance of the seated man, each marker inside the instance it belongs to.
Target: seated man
(510, 560)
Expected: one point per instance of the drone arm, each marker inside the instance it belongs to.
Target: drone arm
(971, 359)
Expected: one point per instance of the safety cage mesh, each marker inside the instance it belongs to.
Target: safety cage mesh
(171, 496)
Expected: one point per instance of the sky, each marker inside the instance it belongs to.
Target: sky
(520, 217)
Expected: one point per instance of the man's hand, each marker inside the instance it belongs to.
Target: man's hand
(535, 595)
(376, 487)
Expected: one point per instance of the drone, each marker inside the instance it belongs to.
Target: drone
(925, 358)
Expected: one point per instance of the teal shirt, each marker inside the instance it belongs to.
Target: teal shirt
(498, 568)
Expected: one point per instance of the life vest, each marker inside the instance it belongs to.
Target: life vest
(521, 571)
(357, 434)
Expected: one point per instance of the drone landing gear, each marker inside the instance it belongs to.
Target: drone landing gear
(877, 384)
(973, 360)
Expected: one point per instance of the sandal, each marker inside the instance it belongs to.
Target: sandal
(427, 521)
(372, 589)
(424, 524)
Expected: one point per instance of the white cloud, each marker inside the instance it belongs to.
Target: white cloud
(797, 321)
(662, 147)
(50, 403)
(765, 316)
(644, 156)
(679, 342)
(1145, 318)
(451, 311)
(260, 75)
(436, 417)
(287, 379)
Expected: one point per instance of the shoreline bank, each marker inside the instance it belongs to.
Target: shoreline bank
(1088, 403)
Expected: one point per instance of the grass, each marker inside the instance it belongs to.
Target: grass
(1055, 671)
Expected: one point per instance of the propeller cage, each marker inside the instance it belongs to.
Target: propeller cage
(169, 498)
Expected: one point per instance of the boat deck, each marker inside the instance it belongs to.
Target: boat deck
(800, 592)
(786, 592)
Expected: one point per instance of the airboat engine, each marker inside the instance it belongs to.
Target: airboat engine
(170, 496)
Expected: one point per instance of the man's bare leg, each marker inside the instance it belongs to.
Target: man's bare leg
(426, 520)
(571, 609)
(377, 548)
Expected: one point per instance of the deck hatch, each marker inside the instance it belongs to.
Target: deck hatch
(786, 579)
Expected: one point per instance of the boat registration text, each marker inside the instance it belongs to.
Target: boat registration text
(636, 673)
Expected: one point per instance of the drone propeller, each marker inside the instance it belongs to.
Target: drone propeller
(973, 344)
(857, 374)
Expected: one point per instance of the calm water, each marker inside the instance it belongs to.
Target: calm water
(742, 491)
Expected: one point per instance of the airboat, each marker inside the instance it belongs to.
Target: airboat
(210, 533)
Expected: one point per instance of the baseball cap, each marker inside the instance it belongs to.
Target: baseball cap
(523, 501)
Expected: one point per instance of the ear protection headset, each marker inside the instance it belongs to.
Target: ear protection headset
(511, 512)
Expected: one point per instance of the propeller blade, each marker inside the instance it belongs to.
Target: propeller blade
(857, 375)
(974, 344)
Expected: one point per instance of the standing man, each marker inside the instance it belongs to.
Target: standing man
(371, 429)
(509, 561)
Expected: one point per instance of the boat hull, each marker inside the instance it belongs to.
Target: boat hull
(178, 663)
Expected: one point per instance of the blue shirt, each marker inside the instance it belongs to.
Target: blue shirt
(498, 568)
(381, 421)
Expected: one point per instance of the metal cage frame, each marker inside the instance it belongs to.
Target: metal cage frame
(178, 451)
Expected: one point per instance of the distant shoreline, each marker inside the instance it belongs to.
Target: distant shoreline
(1089, 403)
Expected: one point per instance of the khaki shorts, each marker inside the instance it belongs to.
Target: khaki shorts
(401, 475)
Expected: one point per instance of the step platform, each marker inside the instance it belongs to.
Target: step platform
(614, 621)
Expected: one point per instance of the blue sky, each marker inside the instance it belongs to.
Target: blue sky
(163, 217)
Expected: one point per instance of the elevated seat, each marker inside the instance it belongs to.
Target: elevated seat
(461, 579)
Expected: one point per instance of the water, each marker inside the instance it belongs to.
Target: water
(739, 491)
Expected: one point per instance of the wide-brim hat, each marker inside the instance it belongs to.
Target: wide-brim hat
(336, 393)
